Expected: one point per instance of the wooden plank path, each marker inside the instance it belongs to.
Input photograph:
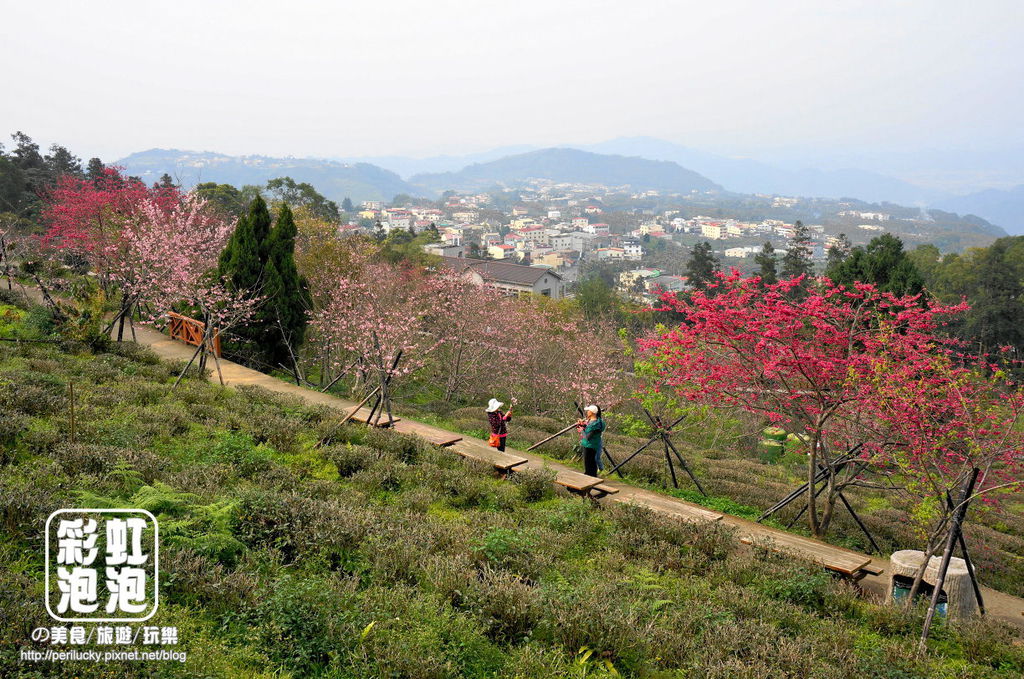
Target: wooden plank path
(834, 558)
(1004, 607)
(478, 450)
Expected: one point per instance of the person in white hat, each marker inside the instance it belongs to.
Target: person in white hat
(590, 439)
(499, 423)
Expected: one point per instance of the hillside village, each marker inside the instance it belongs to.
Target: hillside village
(559, 226)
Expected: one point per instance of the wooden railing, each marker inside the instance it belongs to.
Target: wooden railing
(191, 331)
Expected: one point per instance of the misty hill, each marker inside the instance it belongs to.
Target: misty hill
(407, 166)
(570, 165)
(358, 181)
(1002, 207)
(743, 175)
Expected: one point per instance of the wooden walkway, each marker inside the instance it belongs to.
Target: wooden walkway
(874, 570)
(1001, 606)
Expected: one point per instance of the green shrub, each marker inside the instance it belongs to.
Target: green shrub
(514, 549)
(508, 607)
(534, 484)
(297, 624)
(349, 459)
(405, 448)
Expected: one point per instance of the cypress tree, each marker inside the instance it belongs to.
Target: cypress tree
(767, 264)
(797, 260)
(286, 291)
(244, 257)
(242, 263)
(703, 265)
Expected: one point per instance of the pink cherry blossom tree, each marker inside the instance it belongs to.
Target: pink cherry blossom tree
(950, 414)
(384, 317)
(165, 261)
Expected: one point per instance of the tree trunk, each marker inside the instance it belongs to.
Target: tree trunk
(929, 552)
(812, 501)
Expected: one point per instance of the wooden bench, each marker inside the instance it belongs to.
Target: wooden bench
(669, 506)
(477, 450)
(577, 482)
(602, 490)
(439, 437)
(844, 562)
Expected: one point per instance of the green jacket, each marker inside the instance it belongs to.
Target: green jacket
(591, 437)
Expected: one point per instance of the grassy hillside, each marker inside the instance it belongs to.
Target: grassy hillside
(380, 556)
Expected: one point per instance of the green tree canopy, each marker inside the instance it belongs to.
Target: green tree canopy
(224, 197)
(882, 262)
(797, 260)
(286, 190)
(702, 267)
(767, 264)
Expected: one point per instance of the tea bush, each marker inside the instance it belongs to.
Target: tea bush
(376, 555)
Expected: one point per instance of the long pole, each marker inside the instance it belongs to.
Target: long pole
(686, 467)
(553, 436)
(968, 562)
(940, 580)
(71, 394)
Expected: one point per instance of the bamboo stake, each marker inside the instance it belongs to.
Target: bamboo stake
(553, 436)
(71, 394)
(940, 579)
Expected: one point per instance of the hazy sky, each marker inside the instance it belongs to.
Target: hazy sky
(416, 78)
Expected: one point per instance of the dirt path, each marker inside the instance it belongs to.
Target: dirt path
(1001, 606)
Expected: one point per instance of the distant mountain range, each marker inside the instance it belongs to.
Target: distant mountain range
(407, 167)
(1005, 208)
(569, 165)
(359, 181)
(640, 162)
(750, 176)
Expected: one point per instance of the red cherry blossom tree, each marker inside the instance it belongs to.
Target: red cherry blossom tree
(799, 361)
(86, 217)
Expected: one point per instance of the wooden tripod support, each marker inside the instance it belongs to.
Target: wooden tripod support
(382, 403)
(664, 433)
(824, 472)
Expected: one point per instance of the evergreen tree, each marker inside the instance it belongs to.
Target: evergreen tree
(225, 197)
(702, 267)
(61, 162)
(94, 170)
(595, 298)
(346, 205)
(286, 292)
(166, 182)
(996, 294)
(797, 260)
(767, 264)
(838, 251)
(884, 263)
(242, 263)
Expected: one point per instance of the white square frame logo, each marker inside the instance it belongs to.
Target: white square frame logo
(156, 563)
